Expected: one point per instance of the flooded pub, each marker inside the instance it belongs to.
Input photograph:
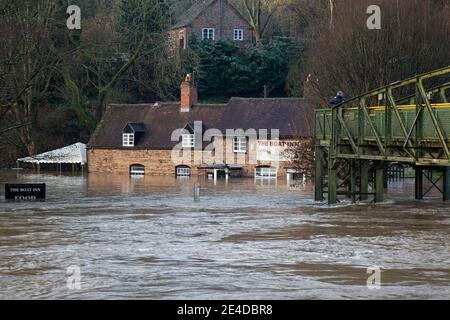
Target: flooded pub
(133, 224)
(224, 150)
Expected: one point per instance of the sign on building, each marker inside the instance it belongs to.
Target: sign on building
(274, 150)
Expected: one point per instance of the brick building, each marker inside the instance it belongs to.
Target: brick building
(245, 137)
(212, 20)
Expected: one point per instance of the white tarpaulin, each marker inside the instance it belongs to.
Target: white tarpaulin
(75, 153)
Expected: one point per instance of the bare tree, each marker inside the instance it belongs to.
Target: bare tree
(27, 62)
(413, 39)
(301, 154)
(260, 14)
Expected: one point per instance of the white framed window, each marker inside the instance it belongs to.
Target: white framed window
(266, 172)
(238, 35)
(188, 141)
(183, 171)
(137, 170)
(240, 145)
(128, 139)
(208, 34)
(181, 35)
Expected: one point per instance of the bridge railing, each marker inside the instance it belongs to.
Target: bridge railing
(418, 132)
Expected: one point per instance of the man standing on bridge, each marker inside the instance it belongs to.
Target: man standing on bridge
(338, 99)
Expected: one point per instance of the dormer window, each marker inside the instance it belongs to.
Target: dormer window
(128, 139)
(188, 136)
(240, 145)
(188, 141)
(132, 133)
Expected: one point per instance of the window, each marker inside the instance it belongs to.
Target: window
(208, 34)
(266, 172)
(240, 145)
(128, 140)
(181, 39)
(131, 133)
(188, 141)
(238, 34)
(183, 171)
(137, 170)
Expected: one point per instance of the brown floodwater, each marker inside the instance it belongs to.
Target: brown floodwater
(245, 239)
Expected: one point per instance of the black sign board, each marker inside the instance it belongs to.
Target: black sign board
(25, 191)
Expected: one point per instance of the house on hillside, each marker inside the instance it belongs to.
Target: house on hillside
(213, 20)
(245, 137)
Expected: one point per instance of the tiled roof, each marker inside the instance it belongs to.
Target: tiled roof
(291, 116)
(196, 9)
(160, 121)
(192, 13)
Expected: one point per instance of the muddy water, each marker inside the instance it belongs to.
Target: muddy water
(147, 238)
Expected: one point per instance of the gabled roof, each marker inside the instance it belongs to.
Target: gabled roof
(196, 9)
(135, 127)
(192, 13)
(160, 120)
(291, 116)
(189, 127)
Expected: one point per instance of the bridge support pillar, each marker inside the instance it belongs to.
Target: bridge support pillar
(364, 179)
(386, 178)
(332, 185)
(379, 183)
(419, 184)
(353, 174)
(446, 189)
(318, 175)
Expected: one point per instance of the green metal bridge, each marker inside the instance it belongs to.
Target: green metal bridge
(406, 122)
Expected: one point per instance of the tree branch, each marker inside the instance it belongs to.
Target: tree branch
(14, 127)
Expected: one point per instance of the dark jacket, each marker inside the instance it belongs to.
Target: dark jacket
(337, 100)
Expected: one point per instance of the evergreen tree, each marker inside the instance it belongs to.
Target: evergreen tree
(224, 68)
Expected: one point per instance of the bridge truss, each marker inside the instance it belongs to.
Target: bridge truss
(406, 122)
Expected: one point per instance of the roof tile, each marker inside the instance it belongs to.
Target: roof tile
(292, 116)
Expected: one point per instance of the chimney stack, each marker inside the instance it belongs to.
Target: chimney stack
(189, 95)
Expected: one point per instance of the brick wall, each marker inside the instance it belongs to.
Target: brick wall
(156, 162)
(210, 18)
(118, 161)
(159, 162)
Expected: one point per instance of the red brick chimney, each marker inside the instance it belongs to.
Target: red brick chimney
(189, 95)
